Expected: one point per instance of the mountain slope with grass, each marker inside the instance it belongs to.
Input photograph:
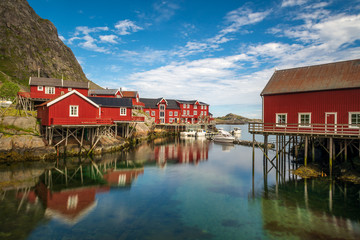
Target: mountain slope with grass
(29, 42)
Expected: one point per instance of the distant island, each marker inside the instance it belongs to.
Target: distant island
(234, 119)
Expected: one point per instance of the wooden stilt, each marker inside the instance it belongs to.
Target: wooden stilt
(330, 154)
(306, 151)
(313, 149)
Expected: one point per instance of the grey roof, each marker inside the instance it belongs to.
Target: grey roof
(112, 102)
(54, 82)
(152, 103)
(337, 75)
(187, 101)
(103, 91)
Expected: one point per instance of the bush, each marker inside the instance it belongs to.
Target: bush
(9, 90)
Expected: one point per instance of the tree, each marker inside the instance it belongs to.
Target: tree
(8, 90)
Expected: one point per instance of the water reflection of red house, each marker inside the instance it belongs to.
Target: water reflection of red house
(194, 152)
(122, 177)
(69, 205)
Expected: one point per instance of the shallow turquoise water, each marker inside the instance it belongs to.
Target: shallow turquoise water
(173, 189)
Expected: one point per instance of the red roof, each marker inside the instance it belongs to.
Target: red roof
(129, 94)
(338, 75)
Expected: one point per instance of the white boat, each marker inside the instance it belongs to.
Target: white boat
(224, 136)
(236, 131)
(200, 133)
(188, 133)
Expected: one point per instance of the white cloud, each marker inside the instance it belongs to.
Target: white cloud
(148, 55)
(108, 38)
(82, 34)
(291, 3)
(213, 80)
(126, 27)
(165, 10)
(62, 38)
(235, 21)
(89, 43)
(86, 30)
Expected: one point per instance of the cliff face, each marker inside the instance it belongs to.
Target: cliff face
(28, 42)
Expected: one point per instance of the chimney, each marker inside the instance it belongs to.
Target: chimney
(38, 72)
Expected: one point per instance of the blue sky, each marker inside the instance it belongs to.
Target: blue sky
(219, 52)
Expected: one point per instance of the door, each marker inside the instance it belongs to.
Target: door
(330, 122)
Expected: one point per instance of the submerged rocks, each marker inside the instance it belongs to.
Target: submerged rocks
(307, 172)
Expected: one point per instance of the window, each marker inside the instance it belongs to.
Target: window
(354, 119)
(175, 114)
(184, 105)
(195, 106)
(304, 119)
(152, 113)
(162, 114)
(69, 89)
(204, 107)
(49, 90)
(184, 112)
(74, 111)
(171, 120)
(195, 112)
(188, 106)
(148, 113)
(204, 113)
(162, 107)
(122, 111)
(40, 88)
(281, 119)
(188, 112)
(170, 113)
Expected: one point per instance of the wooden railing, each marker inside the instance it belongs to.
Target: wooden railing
(308, 129)
(82, 121)
(138, 119)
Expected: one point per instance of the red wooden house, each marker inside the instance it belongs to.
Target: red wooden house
(162, 110)
(116, 109)
(321, 99)
(43, 89)
(108, 93)
(134, 96)
(193, 111)
(72, 108)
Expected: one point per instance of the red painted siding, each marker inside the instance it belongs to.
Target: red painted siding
(34, 93)
(114, 113)
(59, 113)
(317, 103)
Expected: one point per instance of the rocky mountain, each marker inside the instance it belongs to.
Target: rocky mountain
(234, 119)
(29, 42)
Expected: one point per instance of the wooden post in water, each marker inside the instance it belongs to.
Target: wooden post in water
(253, 153)
(313, 149)
(345, 150)
(306, 150)
(330, 155)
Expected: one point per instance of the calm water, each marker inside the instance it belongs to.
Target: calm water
(173, 189)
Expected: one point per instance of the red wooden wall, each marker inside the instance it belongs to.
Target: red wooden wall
(114, 113)
(317, 103)
(41, 94)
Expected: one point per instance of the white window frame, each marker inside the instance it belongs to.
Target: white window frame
(49, 90)
(171, 120)
(122, 111)
(204, 107)
(72, 113)
(350, 124)
(175, 113)
(204, 113)
(162, 107)
(195, 112)
(188, 112)
(299, 119)
(188, 106)
(277, 122)
(184, 112)
(148, 113)
(152, 113)
(69, 89)
(170, 113)
(195, 106)
(184, 105)
(40, 88)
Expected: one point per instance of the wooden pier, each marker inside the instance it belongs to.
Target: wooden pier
(335, 139)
